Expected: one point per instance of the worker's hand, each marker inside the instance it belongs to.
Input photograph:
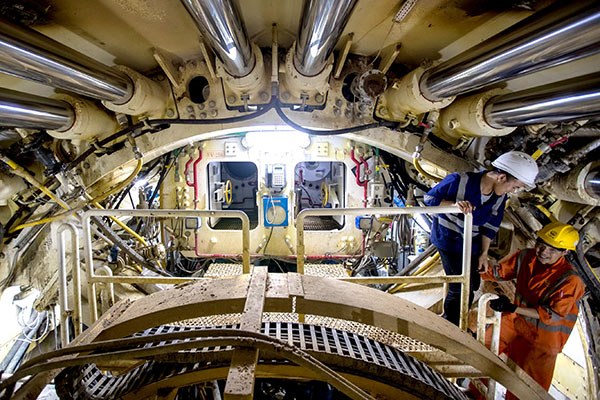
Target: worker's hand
(465, 206)
(503, 304)
(482, 263)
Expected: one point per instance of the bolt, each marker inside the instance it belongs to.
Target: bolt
(336, 112)
(202, 115)
(213, 103)
(319, 98)
(201, 106)
(362, 107)
(285, 96)
(263, 96)
(231, 99)
(192, 116)
(86, 165)
(338, 103)
(190, 108)
(170, 112)
(214, 113)
(453, 124)
(348, 114)
(359, 115)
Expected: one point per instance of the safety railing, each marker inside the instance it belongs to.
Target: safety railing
(63, 302)
(482, 321)
(93, 279)
(464, 278)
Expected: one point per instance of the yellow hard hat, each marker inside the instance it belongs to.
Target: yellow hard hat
(559, 235)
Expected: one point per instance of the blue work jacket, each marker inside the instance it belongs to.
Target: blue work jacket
(447, 229)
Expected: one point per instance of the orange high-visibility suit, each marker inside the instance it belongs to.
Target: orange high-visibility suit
(553, 290)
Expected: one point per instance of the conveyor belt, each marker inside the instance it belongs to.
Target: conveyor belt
(340, 350)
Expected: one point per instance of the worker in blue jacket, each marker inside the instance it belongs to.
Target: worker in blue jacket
(484, 195)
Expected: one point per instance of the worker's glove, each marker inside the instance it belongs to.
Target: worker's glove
(503, 304)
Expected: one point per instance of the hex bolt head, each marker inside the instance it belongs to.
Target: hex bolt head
(201, 106)
(214, 113)
(337, 112)
(319, 98)
(192, 116)
(231, 99)
(264, 96)
(202, 115)
(170, 112)
(285, 96)
(213, 103)
(338, 103)
(348, 113)
(190, 108)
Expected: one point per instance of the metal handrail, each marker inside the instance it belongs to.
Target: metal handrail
(62, 281)
(495, 321)
(93, 279)
(464, 278)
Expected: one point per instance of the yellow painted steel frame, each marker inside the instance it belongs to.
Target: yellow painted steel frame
(464, 278)
(93, 279)
(309, 295)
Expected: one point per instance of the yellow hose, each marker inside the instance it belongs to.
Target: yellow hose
(421, 171)
(20, 171)
(120, 186)
(546, 212)
(537, 154)
(97, 199)
(123, 225)
(423, 269)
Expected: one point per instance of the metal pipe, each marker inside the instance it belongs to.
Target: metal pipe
(592, 183)
(28, 54)
(569, 100)
(549, 38)
(320, 29)
(221, 26)
(22, 110)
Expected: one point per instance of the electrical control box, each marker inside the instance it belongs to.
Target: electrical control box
(275, 211)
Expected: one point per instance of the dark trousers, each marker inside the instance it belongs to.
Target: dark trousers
(452, 262)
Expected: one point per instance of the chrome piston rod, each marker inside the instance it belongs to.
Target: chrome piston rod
(569, 100)
(546, 39)
(28, 54)
(21, 110)
(320, 29)
(221, 26)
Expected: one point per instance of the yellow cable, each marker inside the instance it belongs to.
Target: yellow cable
(20, 171)
(97, 199)
(123, 225)
(537, 154)
(121, 185)
(421, 171)
(546, 212)
(425, 267)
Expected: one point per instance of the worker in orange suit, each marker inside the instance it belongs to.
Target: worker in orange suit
(536, 326)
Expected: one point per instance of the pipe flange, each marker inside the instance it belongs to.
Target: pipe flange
(298, 84)
(465, 117)
(253, 82)
(89, 121)
(405, 97)
(148, 97)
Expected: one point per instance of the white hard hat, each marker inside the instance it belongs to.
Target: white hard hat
(520, 165)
